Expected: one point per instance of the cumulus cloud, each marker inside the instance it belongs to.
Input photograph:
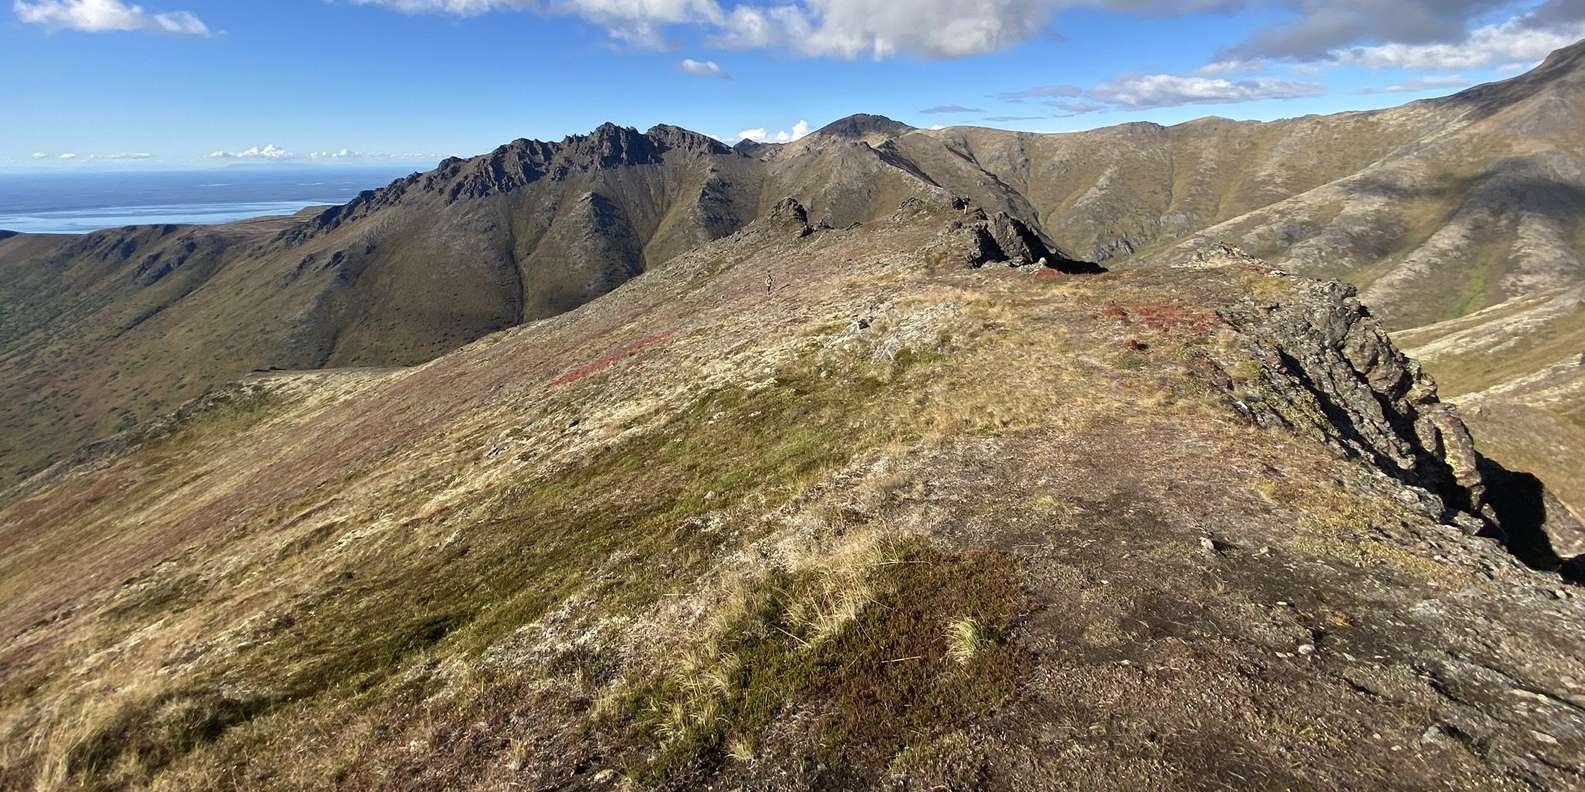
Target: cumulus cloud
(40, 155)
(636, 22)
(67, 156)
(763, 135)
(1521, 39)
(1228, 68)
(1415, 34)
(100, 16)
(1317, 27)
(1151, 91)
(1307, 30)
(836, 28)
(704, 69)
(268, 151)
(883, 28)
(1171, 90)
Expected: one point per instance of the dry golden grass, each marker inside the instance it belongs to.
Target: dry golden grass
(464, 574)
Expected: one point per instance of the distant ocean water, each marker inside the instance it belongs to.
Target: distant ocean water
(75, 203)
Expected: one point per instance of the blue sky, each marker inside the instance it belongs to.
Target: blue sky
(98, 84)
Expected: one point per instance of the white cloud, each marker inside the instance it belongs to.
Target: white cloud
(763, 135)
(1231, 67)
(100, 16)
(1516, 40)
(880, 29)
(703, 69)
(1150, 91)
(132, 156)
(1071, 109)
(40, 155)
(839, 28)
(67, 156)
(1170, 90)
(268, 151)
(1427, 84)
(636, 22)
(1312, 31)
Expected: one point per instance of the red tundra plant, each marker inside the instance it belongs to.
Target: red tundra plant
(620, 353)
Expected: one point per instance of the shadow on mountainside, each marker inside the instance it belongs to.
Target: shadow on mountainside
(1512, 183)
(1525, 511)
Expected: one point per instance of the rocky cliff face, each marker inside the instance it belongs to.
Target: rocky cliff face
(519, 164)
(1327, 367)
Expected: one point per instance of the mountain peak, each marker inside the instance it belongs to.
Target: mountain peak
(863, 126)
(676, 137)
(610, 145)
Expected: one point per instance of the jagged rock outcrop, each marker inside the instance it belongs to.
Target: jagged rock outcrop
(1329, 368)
(1214, 256)
(979, 238)
(790, 214)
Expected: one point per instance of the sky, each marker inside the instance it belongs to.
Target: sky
(175, 84)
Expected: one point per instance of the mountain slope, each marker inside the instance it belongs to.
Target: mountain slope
(1485, 210)
(395, 277)
(893, 520)
(1437, 210)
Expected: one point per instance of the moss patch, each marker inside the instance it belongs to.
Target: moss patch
(887, 680)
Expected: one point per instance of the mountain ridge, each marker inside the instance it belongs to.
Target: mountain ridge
(634, 461)
(810, 508)
(1393, 201)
